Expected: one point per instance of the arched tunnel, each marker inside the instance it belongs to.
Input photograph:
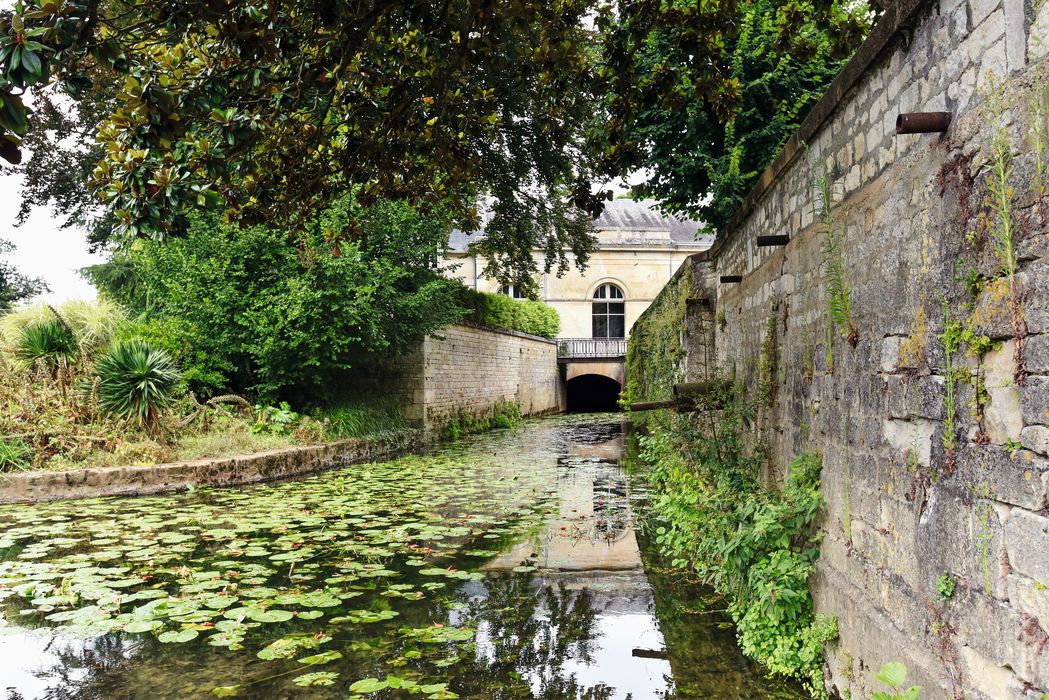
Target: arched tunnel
(589, 393)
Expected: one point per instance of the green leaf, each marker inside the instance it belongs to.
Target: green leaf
(368, 686)
(317, 678)
(322, 658)
(893, 674)
(177, 636)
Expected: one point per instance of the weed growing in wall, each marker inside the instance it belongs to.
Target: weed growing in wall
(951, 340)
(839, 296)
(984, 534)
(768, 363)
(1002, 224)
(756, 546)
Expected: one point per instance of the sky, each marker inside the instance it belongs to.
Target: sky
(44, 250)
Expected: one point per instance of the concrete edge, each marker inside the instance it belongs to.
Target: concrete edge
(39, 486)
(501, 331)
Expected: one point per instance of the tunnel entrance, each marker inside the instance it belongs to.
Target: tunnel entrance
(592, 392)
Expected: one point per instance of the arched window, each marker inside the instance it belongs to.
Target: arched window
(512, 291)
(609, 312)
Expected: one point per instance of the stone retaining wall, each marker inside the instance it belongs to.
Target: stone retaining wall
(903, 511)
(470, 369)
(26, 487)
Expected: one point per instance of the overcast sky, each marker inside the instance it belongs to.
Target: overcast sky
(44, 250)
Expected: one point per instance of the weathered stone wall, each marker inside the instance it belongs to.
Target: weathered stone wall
(473, 370)
(902, 508)
(468, 369)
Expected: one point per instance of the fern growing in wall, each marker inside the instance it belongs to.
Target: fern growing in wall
(839, 295)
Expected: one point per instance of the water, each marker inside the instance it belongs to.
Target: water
(510, 565)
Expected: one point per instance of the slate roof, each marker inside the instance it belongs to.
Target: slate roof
(624, 215)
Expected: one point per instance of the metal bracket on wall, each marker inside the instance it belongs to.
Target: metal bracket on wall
(769, 241)
(731, 279)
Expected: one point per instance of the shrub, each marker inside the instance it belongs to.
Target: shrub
(49, 342)
(94, 324)
(522, 315)
(287, 317)
(136, 382)
(755, 545)
(369, 416)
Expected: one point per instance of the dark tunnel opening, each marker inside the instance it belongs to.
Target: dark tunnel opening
(592, 393)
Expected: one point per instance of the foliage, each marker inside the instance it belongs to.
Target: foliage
(839, 295)
(371, 415)
(703, 95)
(15, 286)
(260, 312)
(93, 323)
(274, 420)
(15, 455)
(754, 545)
(136, 382)
(522, 315)
(945, 586)
(654, 349)
(49, 342)
(429, 103)
(501, 415)
(894, 675)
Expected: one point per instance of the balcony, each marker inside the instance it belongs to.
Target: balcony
(582, 348)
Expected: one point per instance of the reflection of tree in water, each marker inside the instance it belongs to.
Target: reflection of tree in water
(611, 501)
(528, 635)
(91, 670)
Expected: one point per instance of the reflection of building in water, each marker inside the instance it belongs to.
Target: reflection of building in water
(593, 529)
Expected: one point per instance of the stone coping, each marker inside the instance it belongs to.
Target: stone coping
(897, 20)
(502, 331)
(37, 486)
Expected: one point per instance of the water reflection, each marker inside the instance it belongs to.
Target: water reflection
(565, 608)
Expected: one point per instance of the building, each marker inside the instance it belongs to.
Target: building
(638, 250)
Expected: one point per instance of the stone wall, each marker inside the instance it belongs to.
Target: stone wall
(935, 467)
(473, 370)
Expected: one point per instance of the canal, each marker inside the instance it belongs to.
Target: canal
(512, 564)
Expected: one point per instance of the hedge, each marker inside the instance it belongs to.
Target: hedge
(522, 315)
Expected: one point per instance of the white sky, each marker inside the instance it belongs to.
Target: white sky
(44, 250)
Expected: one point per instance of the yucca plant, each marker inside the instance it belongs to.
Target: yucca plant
(136, 382)
(49, 341)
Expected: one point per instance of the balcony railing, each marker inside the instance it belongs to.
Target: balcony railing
(591, 347)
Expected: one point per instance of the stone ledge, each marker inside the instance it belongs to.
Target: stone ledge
(36, 486)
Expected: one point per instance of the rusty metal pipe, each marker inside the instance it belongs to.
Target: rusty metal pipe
(769, 241)
(923, 122)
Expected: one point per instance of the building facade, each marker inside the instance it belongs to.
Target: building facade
(638, 250)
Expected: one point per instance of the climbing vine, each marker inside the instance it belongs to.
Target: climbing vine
(768, 363)
(655, 349)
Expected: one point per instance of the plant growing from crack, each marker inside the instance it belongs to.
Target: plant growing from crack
(1003, 225)
(984, 533)
(1038, 140)
(839, 295)
(951, 340)
(768, 363)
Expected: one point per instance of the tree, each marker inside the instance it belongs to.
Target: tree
(287, 317)
(14, 286)
(273, 109)
(703, 95)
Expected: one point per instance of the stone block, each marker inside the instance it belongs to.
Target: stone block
(1018, 479)
(1027, 541)
(1036, 353)
(1015, 35)
(1034, 400)
(910, 439)
(1035, 438)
